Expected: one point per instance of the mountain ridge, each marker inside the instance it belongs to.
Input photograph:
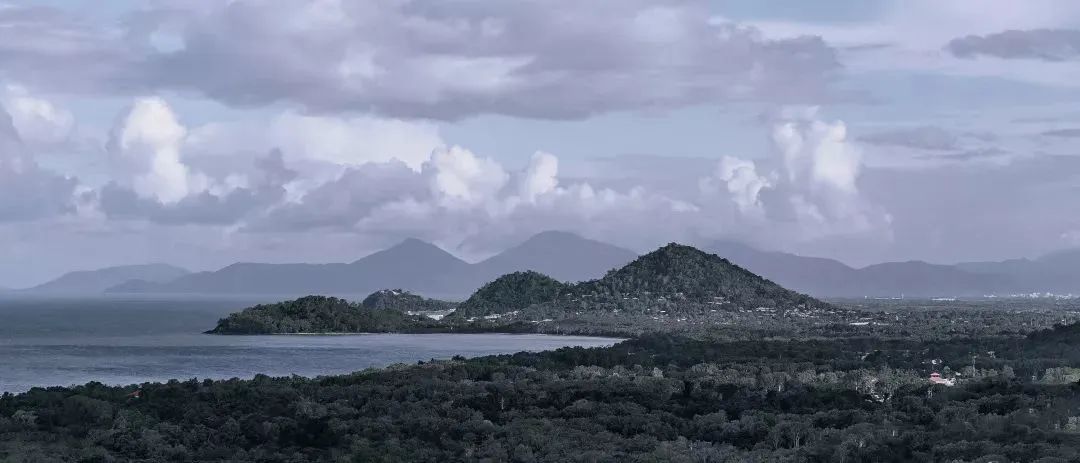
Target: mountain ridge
(99, 280)
(550, 252)
(425, 268)
(826, 277)
(412, 264)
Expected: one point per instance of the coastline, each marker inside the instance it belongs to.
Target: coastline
(307, 355)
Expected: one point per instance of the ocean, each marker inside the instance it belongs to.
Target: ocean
(66, 341)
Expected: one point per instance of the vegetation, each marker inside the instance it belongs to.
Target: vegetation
(674, 279)
(404, 301)
(319, 314)
(723, 366)
(512, 292)
(655, 398)
(683, 273)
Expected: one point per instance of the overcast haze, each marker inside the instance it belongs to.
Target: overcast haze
(202, 133)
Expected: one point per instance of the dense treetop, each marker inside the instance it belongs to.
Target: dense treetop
(655, 398)
(673, 274)
(404, 301)
(512, 292)
(679, 272)
(320, 314)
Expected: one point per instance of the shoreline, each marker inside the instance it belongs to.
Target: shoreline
(593, 342)
(418, 334)
(614, 339)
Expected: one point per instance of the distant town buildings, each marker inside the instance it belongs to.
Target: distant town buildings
(935, 378)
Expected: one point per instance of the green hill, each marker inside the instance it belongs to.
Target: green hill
(513, 291)
(683, 273)
(319, 314)
(673, 279)
(403, 301)
(673, 274)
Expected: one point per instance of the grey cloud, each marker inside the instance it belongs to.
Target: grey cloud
(28, 192)
(444, 60)
(120, 203)
(1037, 44)
(1062, 133)
(341, 203)
(966, 155)
(925, 138)
(205, 208)
(984, 211)
(44, 45)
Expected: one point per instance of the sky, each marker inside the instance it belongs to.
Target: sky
(206, 132)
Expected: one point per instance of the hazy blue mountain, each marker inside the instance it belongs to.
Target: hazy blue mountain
(921, 279)
(412, 265)
(829, 278)
(560, 255)
(1057, 272)
(425, 269)
(97, 281)
(811, 275)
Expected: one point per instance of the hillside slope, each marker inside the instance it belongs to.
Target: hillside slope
(684, 273)
(318, 314)
(97, 281)
(673, 274)
(412, 265)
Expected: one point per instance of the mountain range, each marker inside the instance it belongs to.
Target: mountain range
(98, 281)
(822, 277)
(426, 269)
(682, 280)
(414, 265)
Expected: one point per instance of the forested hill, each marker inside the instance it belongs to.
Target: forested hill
(684, 273)
(404, 301)
(511, 292)
(673, 274)
(320, 314)
(673, 279)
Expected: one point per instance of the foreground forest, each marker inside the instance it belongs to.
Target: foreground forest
(655, 398)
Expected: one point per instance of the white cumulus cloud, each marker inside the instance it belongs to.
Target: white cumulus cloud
(811, 180)
(148, 141)
(37, 120)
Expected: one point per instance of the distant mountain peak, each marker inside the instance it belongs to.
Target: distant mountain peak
(564, 239)
(411, 248)
(554, 235)
(415, 244)
(563, 255)
(412, 241)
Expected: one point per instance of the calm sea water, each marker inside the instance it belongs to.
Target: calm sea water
(60, 342)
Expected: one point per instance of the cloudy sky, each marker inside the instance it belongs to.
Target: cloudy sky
(204, 132)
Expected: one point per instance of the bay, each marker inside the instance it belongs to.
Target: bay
(61, 342)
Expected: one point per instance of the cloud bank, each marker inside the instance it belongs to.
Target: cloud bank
(411, 59)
